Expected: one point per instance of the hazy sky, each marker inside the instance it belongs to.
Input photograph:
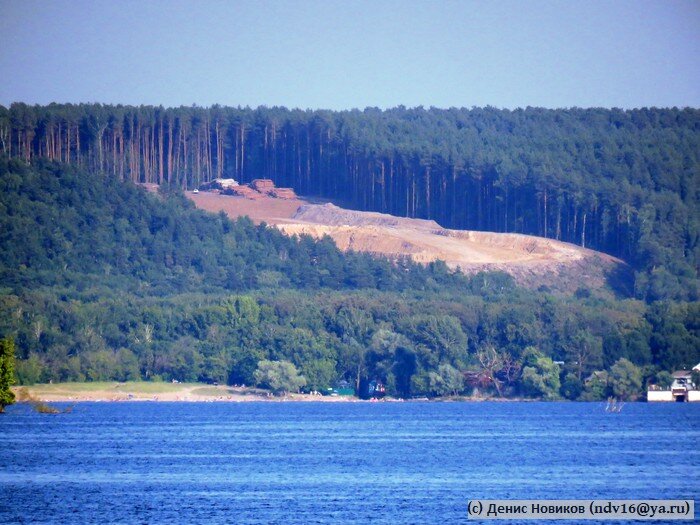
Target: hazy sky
(344, 54)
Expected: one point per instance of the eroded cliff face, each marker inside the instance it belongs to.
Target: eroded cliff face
(532, 261)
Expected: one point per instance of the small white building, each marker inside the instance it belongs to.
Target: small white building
(682, 389)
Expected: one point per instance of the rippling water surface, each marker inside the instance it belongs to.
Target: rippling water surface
(334, 462)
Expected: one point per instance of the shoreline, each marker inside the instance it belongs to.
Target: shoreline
(115, 392)
(158, 392)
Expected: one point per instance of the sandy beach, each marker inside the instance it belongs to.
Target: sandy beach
(164, 392)
(112, 391)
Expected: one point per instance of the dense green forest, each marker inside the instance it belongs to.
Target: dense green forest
(100, 280)
(623, 182)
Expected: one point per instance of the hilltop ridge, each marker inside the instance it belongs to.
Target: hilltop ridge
(620, 182)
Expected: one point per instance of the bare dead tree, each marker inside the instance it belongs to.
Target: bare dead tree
(491, 363)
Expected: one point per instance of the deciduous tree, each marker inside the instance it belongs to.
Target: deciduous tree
(625, 379)
(7, 372)
(279, 376)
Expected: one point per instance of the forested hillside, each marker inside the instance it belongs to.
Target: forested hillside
(623, 182)
(59, 226)
(101, 280)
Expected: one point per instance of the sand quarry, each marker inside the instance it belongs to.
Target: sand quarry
(532, 261)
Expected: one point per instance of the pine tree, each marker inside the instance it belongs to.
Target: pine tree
(7, 372)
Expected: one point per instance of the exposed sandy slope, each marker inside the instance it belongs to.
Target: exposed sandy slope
(265, 209)
(533, 261)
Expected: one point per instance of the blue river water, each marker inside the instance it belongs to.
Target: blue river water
(370, 463)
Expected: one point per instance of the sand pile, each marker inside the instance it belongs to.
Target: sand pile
(332, 215)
